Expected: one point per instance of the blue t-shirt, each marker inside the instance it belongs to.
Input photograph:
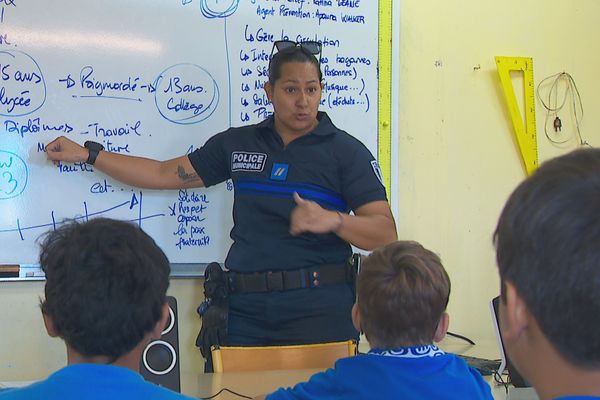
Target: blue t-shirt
(421, 372)
(92, 382)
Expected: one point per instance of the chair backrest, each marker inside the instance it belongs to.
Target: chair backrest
(321, 355)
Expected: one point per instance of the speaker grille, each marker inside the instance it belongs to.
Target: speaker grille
(160, 359)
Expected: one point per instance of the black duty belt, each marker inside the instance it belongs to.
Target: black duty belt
(272, 281)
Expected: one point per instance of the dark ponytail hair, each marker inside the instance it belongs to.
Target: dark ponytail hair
(291, 54)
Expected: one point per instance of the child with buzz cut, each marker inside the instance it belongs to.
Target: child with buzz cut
(402, 294)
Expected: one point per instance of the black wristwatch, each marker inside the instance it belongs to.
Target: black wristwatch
(93, 149)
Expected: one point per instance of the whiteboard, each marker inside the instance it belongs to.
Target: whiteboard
(155, 79)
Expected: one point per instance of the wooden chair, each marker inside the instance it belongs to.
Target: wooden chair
(321, 355)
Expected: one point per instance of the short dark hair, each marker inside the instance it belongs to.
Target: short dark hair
(106, 284)
(548, 246)
(402, 292)
(291, 54)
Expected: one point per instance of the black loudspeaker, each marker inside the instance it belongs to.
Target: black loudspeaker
(160, 359)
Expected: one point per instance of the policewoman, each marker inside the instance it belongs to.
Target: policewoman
(297, 178)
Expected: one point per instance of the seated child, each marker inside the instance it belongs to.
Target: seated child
(105, 296)
(548, 253)
(402, 294)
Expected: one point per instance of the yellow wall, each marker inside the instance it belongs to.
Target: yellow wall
(457, 159)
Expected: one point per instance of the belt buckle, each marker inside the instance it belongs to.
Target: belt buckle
(314, 277)
(274, 281)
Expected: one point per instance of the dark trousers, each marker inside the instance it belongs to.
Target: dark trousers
(301, 316)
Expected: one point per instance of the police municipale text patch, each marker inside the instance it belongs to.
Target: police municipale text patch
(248, 161)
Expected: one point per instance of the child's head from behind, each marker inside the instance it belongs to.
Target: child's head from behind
(106, 284)
(547, 249)
(402, 292)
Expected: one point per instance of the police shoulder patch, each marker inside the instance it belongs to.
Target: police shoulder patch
(377, 170)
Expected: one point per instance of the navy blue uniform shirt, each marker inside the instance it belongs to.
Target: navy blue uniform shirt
(327, 166)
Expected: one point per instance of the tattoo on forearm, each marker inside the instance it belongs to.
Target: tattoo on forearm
(185, 176)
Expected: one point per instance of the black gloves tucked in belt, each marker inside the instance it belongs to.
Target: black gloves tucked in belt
(214, 309)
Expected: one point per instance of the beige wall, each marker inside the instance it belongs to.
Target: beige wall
(27, 353)
(457, 159)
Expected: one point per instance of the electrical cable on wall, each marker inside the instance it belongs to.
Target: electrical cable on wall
(557, 135)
